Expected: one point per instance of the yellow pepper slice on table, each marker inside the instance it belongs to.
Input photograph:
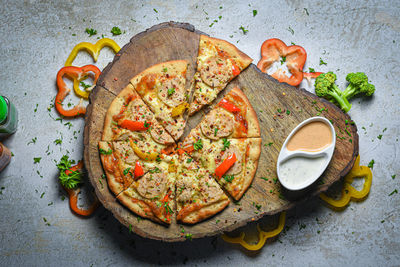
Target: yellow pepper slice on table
(262, 235)
(94, 51)
(348, 191)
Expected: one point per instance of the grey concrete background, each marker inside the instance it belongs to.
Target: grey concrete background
(36, 38)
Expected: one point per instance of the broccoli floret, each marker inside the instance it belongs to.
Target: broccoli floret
(358, 83)
(325, 87)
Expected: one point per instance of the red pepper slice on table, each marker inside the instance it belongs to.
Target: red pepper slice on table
(73, 195)
(229, 106)
(225, 165)
(138, 170)
(76, 74)
(295, 57)
(135, 125)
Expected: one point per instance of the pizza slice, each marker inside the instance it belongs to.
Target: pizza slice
(152, 195)
(218, 62)
(129, 116)
(125, 161)
(163, 88)
(198, 196)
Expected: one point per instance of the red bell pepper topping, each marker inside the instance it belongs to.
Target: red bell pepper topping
(235, 69)
(229, 106)
(73, 195)
(135, 125)
(75, 73)
(225, 165)
(295, 57)
(138, 170)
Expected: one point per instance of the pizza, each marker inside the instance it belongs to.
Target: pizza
(218, 62)
(152, 174)
(230, 129)
(198, 196)
(163, 88)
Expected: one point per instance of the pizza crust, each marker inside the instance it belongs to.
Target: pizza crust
(201, 213)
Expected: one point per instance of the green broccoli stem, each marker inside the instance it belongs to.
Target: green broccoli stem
(340, 99)
(349, 92)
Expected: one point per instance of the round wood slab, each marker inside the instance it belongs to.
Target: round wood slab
(170, 41)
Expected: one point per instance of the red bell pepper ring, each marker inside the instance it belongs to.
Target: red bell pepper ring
(73, 195)
(229, 106)
(225, 165)
(138, 170)
(135, 125)
(273, 49)
(76, 74)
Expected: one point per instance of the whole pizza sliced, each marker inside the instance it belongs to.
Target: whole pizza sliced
(198, 196)
(218, 62)
(163, 88)
(227, 143)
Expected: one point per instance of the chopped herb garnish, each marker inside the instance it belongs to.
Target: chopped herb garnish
(155, 170)
(217, 221)
(215, 131)
(311, 70)
(305, 9)
(269, 144)
(91, 32)
(36, 160)
(104, 152)
(155, 10)
(85, 85)
(51, 203)
(189, 160)
(264, 178)
(283, 60)
(243, 29)
(254, 13)
(167, 208)
(130, 228)
(188, 236)
(290, 30)
(126, 171)
(226, 143)
(58, 142)
(258, 206)
(198, 145)
(393, 176)
(321, 62)
(228, 178)
(371, 164)
(394, 192)
(171, 91)
(279, 110)
(379, 137)
(115, 30)
(165, 69)
(33, 141)
(158, 159)
(287, 112)
(146, 124)
(41, 196)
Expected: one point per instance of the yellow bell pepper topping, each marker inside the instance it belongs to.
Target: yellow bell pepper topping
(178, 110)
(172, 167)
(94, 51)
(143, 155)
(348, 191)
(262, 235)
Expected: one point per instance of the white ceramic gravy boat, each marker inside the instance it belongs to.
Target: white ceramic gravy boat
(286, 155)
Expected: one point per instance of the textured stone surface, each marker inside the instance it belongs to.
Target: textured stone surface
(35, 42)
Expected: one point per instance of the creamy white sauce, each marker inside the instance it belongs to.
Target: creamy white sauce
(298, 170)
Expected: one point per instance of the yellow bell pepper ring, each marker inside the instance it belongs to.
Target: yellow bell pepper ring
(178, 110)
(262, 235)
(143, 155)
(92, 49)
(348, 191)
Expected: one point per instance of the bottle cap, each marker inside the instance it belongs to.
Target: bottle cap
(3, 109)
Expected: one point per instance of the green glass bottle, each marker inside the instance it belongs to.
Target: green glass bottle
(8, 117)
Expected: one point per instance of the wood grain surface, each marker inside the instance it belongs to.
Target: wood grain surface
(169, 41)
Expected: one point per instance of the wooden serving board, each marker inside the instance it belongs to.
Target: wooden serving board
(170, 41)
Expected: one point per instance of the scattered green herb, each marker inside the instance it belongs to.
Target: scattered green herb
(254, 13)
(311, 70)
(115, 30)
(226, 143)
(91, 32)
(283, 60)
(36, 160)
(104, 152)
(379, 137)
(228, 178)
(394, 192)
(198, 145)
(189, 160)
(171, 91)
(321, 62)
(243, 29)
(305, 9)
(290, 30)
(371, 164)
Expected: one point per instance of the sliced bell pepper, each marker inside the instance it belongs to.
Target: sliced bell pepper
(141, 154)
(311, 75)
(235, 69)
(73, 195)
(229, 106)
(295, 57)
(225, 165)
(135, 125)
(178, 110)
(76, 74)
(138, 170)
(92, 49)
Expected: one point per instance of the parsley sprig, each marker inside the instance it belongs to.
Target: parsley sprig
(71, 180)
